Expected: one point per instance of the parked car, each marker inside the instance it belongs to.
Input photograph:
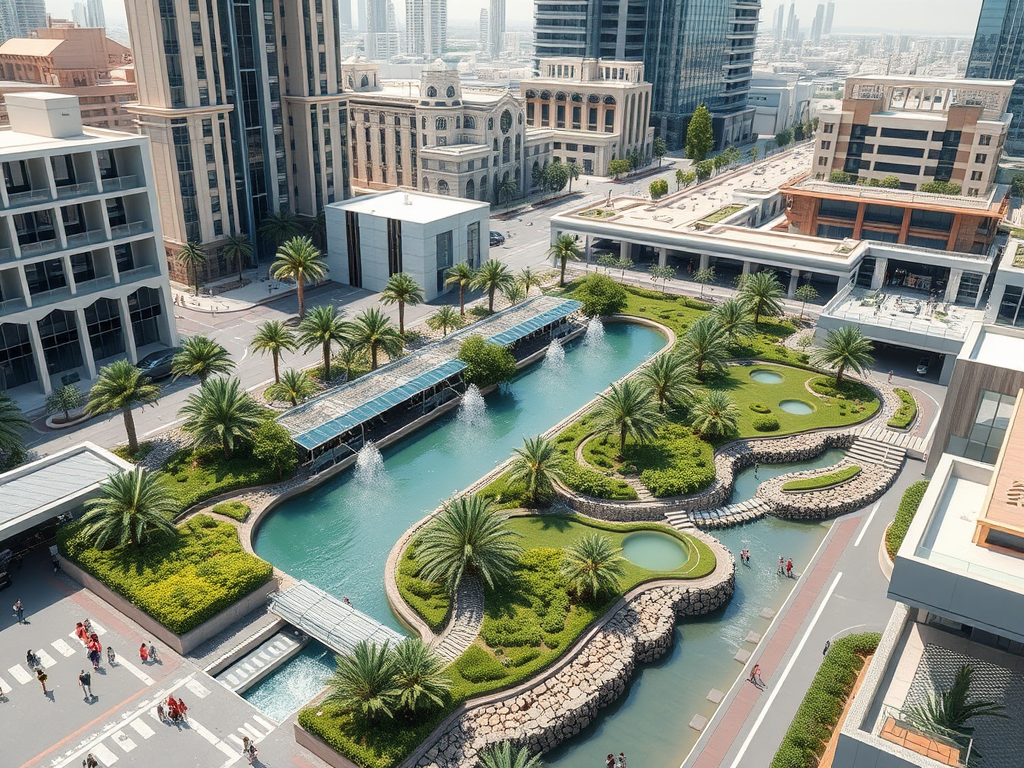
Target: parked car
(922, 366)
(157, 365)
(497, 238)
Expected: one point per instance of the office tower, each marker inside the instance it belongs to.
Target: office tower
(95, 14)
(19, 17)
(363, 13)
(426, 27)
(485, 29)
(817, 24)
(998, 53)
(613, 29)
(80, 15)
(345, 15)
(382, 32)
(792, 24)
(496, 20)
(779, 24)
(245, 116)
(830, 11)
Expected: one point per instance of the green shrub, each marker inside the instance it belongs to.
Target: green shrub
(272, 446)
(124, 452)
(849, 389)
(506, 495)
(823, 481)
(478, 666)
(589, 482)
(194, 475)
(904, 516)
(907, 411)
(236, 510)
(517, 657)
(760, 408)
(675, 463)
(820, 710)
(600, 295)
(381, 745)
(487, 364)
(766, 424)
(428, 599)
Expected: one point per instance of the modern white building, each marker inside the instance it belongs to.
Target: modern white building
(373, 237)
(83, 278)
(779, 102)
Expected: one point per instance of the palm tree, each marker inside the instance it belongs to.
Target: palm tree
(705, 345)
(574, 170)
(592, 565)
(734, 317)
(762, 292)
(536, 465)
(514, 293)
(506, 755)
(278, 227)
(948, 712)
(462, 275)
(294, 386)
(419, 676)
(629, 409)
(273, 337)
(468, 537)
(564, 249)
(374, 332)
(845, 347)
(529, 279)
(348, 357)
(667, 376)
(298, 259)
(401, 289)
(507, 190)
(714, 414)
(12, 426)
(364, 680)
(133, 507)
(220, 413)
(118, 387)
(323, 327)
(317, 229)
(192, 256)
(492, 276)
(238, 248)
(201, 356)
(445, 319)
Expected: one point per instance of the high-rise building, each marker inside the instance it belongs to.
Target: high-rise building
(830, 11)
(613, 29)
(485, 29)
(818, 23)
(245, 115)
(998, 53)
(382, 30)
(780, 22)
(426, 27)
(792, 24)
(80, 15)
(95, 14)
(19, 17)
(496, 29)
(345, 15)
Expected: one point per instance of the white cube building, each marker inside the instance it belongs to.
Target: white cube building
(373, 237)
(83, 277)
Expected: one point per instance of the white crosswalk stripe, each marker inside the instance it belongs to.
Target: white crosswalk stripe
(142, 728)
(205, 732)
(198, 689)
(235, 739)
(123, 662)
(264, 723)
(18, 673)
(63, 648)
(45, 659)
(104, 755)
(121, 739)
(4, 686)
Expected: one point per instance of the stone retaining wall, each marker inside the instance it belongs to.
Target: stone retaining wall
(857, 492)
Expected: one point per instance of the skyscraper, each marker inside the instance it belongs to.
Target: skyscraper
(95, 14)
(818, 23)
(426, 27)
(792, 24)
(19, 17)
(780, 22)
(830, 11)
(612, 29)
(80, 14)
(345, 14)
(485, 29)
(998, 53)
(382, 30)
(497, 26)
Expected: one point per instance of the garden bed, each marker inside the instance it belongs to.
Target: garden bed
(822, 482)
(904, 516)
(906, 414)
(193, 476)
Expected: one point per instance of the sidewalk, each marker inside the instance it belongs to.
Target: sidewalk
(259, 290)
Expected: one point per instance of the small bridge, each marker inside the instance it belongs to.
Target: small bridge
(333, 622)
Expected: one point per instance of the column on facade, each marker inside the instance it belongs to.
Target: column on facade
(746, 267)
(858, 224)
(662, 257)
(794, 280)
(83, 340)
(905, 225)
(39, 357)
(705, 260)
(954, 232)
(624, 249)
(953, 285)
(126, 328)
(878, 277)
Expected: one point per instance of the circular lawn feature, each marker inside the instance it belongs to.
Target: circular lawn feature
(654, 551)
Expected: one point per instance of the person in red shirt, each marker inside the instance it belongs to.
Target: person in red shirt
(144, 652)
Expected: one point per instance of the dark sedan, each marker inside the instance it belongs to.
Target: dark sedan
(157, 365)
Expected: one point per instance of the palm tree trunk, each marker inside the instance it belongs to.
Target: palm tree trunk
(277, 373)
(300, 291)
(622, 439)
(129, 427)
(490, 300)
(227, 452)
(839, 374)
(327, 360)
(462, 299)
(561, 280)
(373, 357)
(401, 317)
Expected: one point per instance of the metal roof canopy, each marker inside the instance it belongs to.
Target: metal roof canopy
(525, 328)
(334, 623)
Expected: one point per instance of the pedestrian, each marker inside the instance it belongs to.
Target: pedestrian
(890, 377)
(41, 677)
(144, 652)
(90, 762)
(789, 568)
(111, 656)
(85, 680)
(182, 709)
(161, 713)
(828, 644)
(19, 611)
(30, 659)
(610, 761)
(346, 600)
(622, 760)
(94, 657)
(782, 565)
(152, 652)
(248, 749)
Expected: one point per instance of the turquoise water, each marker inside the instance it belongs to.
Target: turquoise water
(796, 407)
(653, 551)
(766, 377)
(298, 681)
(746, 482)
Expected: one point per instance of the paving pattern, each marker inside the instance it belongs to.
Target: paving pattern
(467, 619)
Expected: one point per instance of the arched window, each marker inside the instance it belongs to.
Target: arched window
(609, 119)
(442, 187)
(561, 96)
(577, 97)
(424, 121)
(545, 95)
(490, 123)
(381, 118)
(431, 92)
(470, 190)
(506, 121)
(483, 187)
(364, 82)
(520, 118)
(441, 124)
(594, 98)
(351, 82)
(506, 150)
(366, 116)
(531, 94)
(458, 122)
(450, 93)
(398, 120)
(495, 145)
(469, 123)
(609, 100)
(426, 184)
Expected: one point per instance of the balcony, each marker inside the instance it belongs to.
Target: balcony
(11, 305)
(131, 228)
(51, 296)
(76, 190)
(28, 198)
(139, 273)
(118, 183)
(90, 237)
(96, 284)
(40, 248)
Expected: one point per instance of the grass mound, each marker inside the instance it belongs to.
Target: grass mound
(823, 481)
(904, 516)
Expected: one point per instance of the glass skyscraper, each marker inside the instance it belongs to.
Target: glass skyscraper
(998, 54)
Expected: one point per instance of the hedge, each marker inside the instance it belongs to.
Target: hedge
(823, 481)
(766, 423)
(904, 515)
(428, 599)
(236, 510)
(759, 408)
(191, 476)
(907, 411)
(821, 708)
(180, 581)
(382, 745)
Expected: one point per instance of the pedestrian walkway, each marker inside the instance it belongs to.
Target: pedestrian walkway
(258, 289)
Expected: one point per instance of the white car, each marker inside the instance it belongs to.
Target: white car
(922, 366)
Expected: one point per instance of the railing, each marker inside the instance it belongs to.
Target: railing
(880, 245)
(32, 196)
(138, 273)
(120, 182)
(10, 305)
(131, 228)
(897, 195)
(87, 238)
(96, 284)
(77, 190)
(40, 247)
(965, 566)
(50, 296)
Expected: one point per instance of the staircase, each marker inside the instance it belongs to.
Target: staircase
(723, 517)
(866, 450)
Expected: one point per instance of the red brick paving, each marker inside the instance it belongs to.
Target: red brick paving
(773, 655)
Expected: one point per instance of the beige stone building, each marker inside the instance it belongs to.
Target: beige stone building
(78, 62)
(600, 110)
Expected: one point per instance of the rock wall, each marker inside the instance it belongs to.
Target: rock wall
(868, 486)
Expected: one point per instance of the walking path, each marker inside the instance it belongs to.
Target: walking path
(467, 619)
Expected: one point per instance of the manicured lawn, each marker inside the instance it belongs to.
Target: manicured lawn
(191, 476)
(823, 481)
(907, 411)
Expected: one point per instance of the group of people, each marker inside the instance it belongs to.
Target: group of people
(613, 762)
(91, 640)
(785, 567)
(147, 653)
(745, 556)
(249, 751)
(176, 710)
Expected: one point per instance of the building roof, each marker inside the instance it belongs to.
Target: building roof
(1004, 503)
(24, 46)
(413, 207)
(996, 346)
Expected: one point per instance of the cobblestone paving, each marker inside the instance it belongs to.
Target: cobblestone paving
(467, 618)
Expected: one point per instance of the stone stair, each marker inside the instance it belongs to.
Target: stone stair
(866, 450)
(878, 432)
(723, 517)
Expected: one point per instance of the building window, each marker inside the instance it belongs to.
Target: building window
(472, 238)
(59, 335)
(441, 124)
(826, 145)
(976, 175)
(103, 324)
(986, 436)
(145, 310)
(44, 276)
(442, 187)
(981, 157)
(394, 235)
(984, 140)
(828, 128)
(445, 252)
(355, 256)
(822, 160)
(17, 366)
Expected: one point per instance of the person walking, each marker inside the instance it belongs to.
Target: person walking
(890, 377)
(152, 652)
(19, 611)
(622, 760)
(789, 568)
(85, 680)
(111, 656)
(90, 762)
(782, 565)
(42, 678)
(30, 659)
(144, 652)
(249, 750)
(610, 761)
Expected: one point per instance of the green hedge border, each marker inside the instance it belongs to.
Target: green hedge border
(823, 481)
(904, 516)
(907, 411)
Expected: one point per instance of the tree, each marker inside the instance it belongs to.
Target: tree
(689, 177)
(667, 376)
(538, 178)
(514, 293)
(299, 260)
(556, 176)
(468, 537)
(890, 182)
(704, 169)
(700, 137)
(1017, 185)
(536, 465)
(844, 347)
(373, 332)
(704, 276)
(763, 293)
(840, 177)
(658, 188)
(732, 155)
(529, 279)
(608, 261)
(120, 386)
(706, 345)
(238, 248)
(573, 169)
(948, 712)
(364, 681)
(659, 150)
(487, 363)
(806, 293)
(12, 432)
(278, 227)
(784, 137)
(719, 162)
(753, 154)
(714, 414)
(623, 263)
(273, 337)
(618, 167)
(402, 290)
(348, 358)
(322, 327)
(493, 276)
(65, 399)
(192, 256)
(220, 413)
(680, 175)
(445, 319)
(133, 507)
(734, 317)
(293, 387)
(600, 296)
(565, 248)
(664, 274)
(507, 755)
(628, 408)
(272, 447)
(592, 565)
(461, 275)
(941, 188)
(202, 357)
(507, 190)
(419, 676)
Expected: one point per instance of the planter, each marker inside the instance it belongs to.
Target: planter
(53, 423)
